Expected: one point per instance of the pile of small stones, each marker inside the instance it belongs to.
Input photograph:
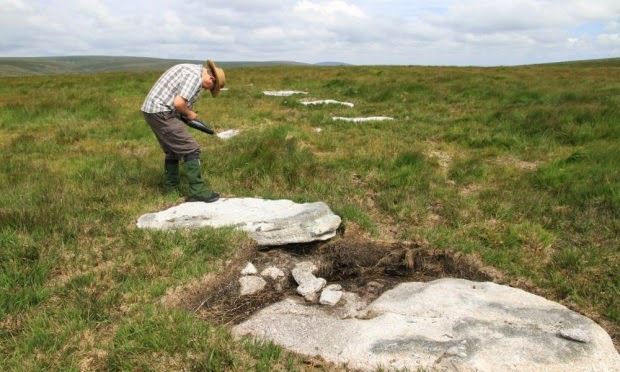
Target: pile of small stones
(311, 288)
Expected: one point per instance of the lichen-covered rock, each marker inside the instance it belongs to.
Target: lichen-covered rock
(447, 324)
(269, 222)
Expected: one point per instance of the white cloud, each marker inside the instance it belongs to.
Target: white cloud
(502, 15)
(609, 40)
(497, 39)
(269, 33)
(482, 32)
(330, 12)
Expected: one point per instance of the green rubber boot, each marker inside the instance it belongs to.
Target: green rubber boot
(171, 176)
(198, 189)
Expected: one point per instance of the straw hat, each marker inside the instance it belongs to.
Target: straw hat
(220, 78)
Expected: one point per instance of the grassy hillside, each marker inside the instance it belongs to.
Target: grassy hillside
(604, 62)
(20, 66)
(518, 166)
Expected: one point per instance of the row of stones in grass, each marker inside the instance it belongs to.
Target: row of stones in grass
(227, 134)
(287, 93)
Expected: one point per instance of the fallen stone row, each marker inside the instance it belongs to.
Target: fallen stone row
(230, 133)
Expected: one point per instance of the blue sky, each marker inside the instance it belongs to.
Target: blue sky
(443, 32)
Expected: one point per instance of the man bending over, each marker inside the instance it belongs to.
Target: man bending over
(169, 100)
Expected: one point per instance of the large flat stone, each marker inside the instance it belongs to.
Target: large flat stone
(269, 222)
(447, 324)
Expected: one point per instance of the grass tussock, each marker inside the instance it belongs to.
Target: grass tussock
(516, 165)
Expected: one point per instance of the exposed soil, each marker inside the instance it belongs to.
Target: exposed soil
(361, 266)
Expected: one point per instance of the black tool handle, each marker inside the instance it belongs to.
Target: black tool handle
(197, 124)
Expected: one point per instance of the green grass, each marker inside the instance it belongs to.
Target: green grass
(517, 165)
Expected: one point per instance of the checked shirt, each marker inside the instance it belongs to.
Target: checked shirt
(181, 80)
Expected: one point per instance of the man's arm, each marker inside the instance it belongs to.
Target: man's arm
(181, 106)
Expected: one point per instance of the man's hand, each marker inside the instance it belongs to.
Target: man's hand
(191, 115)
(180, 106)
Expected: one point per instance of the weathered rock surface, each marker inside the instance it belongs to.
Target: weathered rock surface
(447, 324)
(269, 222)
(575, 334)
(251, 284)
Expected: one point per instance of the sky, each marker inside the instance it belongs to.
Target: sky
(407, 32)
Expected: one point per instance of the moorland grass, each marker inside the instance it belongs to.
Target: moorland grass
(516, 165)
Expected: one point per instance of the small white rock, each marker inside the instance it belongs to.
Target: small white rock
(272, 272)
(312, 286)
(228, 134)
(333, 287)
(330, 297)
(318, 130)
(249, 269)
(304, 271)
(251, 284)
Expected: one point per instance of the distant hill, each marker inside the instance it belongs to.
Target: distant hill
(607, 62)
(17, 66)
(330, 63)
(20, 66)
